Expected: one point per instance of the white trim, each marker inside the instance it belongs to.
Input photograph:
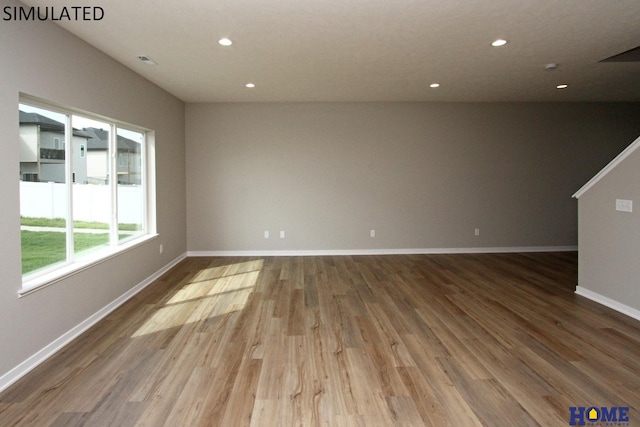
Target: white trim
(613, 304)
(414, 251)
(615, 162)
(32, 362)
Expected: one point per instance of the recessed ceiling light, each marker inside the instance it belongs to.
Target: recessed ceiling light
(434, 85)
(499, 42)
(562, 86)
(225, 42)
(250, 85)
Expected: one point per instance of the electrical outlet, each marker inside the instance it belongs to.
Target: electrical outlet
(624, 205)
(266, 234)
(161, 249)
(477, 232)
(282, 234)
(372, 233)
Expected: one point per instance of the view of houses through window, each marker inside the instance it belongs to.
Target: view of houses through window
(82, 186)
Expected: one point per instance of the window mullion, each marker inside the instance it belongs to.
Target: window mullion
(68, 152)
(143, 184)
(113, 171)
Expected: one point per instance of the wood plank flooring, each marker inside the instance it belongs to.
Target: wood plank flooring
(402, 340)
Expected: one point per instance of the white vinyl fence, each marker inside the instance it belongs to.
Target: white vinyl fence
(90, 202)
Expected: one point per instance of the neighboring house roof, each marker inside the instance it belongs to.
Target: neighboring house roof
(39, 119)
(48, 124)
(99, 140)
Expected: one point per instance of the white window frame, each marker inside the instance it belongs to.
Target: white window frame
(32, 282)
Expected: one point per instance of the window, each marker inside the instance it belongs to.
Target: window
(79, 202)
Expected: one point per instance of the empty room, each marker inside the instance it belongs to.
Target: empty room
(320, 213)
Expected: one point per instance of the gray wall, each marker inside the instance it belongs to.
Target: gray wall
(423, 175)
(609, 257)
(42, 60)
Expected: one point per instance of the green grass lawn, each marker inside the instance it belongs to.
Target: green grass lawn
(44, 248)
(61, 223)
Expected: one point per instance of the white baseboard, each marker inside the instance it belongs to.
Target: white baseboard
(608, 302)
(414, 251)
(25, 367)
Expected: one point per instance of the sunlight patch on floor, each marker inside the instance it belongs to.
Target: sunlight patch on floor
(211, 292)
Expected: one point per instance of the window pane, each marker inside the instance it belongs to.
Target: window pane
(91, 190)
(131, 198)
(81, 189)
(43, 190)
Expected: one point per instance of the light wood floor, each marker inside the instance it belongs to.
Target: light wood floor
(460, 340)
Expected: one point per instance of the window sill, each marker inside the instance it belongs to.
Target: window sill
(32, 285)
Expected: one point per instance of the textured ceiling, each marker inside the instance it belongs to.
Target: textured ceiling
(373, 50)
